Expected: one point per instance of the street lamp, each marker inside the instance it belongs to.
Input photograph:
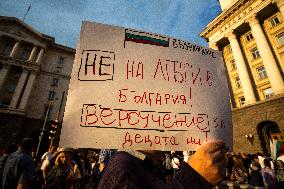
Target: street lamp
(43, 126)
(250, 138)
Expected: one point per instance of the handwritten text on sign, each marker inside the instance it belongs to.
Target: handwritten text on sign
(137, 90)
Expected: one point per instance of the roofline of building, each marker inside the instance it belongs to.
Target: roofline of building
(45, 37)
(221, 17)
(65, 48)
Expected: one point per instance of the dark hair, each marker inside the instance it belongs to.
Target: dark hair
(27, 143)
(266, 162)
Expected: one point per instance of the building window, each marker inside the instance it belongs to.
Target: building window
(261, 72)
(25, 54)
(233, 65)
(274, 21)
(51, 95)
(55, 82)
(249, 37)
(237, 82)
(5, 103)
(267, 93)
(11, 87)
(242, 100)
(280, 39)
(255, 53)
(7, 49)
(61, 60)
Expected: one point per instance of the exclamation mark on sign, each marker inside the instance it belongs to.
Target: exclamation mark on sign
(190, 96)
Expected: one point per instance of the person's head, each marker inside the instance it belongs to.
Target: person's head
(238, 163)
(279, 165)
(254, 157)
(62, 159)
(255, 165)
(27, 144)
(266, 162)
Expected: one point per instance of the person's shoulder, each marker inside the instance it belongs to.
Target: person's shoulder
(124, 158)
(124, 162)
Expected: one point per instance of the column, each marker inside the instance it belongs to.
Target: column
(40, 55)
(214, 46)
(32, 53)
(19, 89)
(28, 90)
(3, 74)
(15, 49)
(273, 73)
(242, 69)
(280, 5)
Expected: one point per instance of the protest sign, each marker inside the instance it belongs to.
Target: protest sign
(136, 90)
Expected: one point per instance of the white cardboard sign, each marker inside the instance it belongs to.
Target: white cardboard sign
(135, 90)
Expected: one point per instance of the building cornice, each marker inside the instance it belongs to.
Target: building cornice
(28, 27)
(44, 37)
(65, 48)
(223, 16)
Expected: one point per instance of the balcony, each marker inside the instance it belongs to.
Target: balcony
(19, 62)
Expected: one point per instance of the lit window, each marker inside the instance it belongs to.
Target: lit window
(51, 95)
(61, 60)
(261, 72)
(267, 93)
(242, 100)
(55, 82)
(249, 37)
(237, 82)
(274, 21)
(255, 53)
(233, 64)
(280, 39)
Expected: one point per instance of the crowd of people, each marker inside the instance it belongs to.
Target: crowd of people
(64, 168)
(255, 169)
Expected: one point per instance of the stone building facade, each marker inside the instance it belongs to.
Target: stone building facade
(250, 33)
(34, 79)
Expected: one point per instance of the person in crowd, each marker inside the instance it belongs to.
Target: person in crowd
(95, 171)
(168, 168)
(268, 175)
(75, 175)
(229, 166)
(239, 172)
(59, 176)
(7, 150)
(204, 169)
(175, 163)
(255, 177)
(279, 172)
(246, 160)
(19, 167)
(77, 168)
(105, 156)
(46, 159)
